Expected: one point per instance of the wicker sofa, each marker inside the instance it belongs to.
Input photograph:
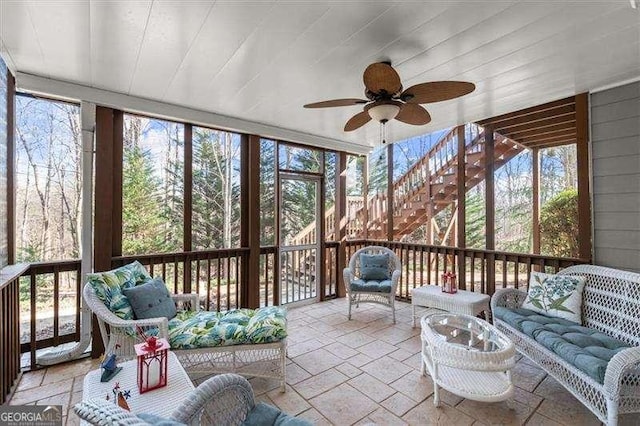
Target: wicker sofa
(604, 374)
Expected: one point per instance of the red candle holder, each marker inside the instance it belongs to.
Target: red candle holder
(152, 364)
(449, 283)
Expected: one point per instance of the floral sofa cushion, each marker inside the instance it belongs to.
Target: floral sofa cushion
(202, 329)
(556, 295)
(108, 287)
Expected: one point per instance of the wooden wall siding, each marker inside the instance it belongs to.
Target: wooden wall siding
(615, 136)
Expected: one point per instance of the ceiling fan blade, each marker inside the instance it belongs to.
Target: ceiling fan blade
(436, 91)
(413, 114)
(357, 121)
(380, 76)
(336, 103)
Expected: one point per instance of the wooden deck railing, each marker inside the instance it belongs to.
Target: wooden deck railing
(424, 264)
(53, 305)
(9, 329)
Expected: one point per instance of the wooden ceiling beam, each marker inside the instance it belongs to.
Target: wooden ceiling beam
(542, 130)
(570, 117)
(537, 116)
(550, 105)
(566, 140)
(552, 137)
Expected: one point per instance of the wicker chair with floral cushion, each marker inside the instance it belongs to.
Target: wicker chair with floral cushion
(245, 341)
(372, 276)
(226, 399)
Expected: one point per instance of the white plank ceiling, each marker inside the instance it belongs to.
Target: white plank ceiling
(261, 61)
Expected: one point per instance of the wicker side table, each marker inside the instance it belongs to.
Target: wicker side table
(463, 302)
(468, 357)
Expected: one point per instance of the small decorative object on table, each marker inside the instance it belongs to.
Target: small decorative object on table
(449, 283)
(109, 366)
(152, 362)
(120, 397)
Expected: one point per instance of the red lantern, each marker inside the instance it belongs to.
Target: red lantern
(449, 283)
(152, 364)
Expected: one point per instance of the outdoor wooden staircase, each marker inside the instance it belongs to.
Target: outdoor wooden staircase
(429, 186)
(426, 189)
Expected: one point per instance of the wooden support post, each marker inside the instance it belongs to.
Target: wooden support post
(390, 233)
(584, 195)
(11, 165)
(341, 219)
(250, 220)
(535, 153)
(461, 188)
(187, 208)
(365, 198)
(490, 207)
(105, 202)
(321, 238)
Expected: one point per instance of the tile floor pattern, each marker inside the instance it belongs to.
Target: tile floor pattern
(364, 371)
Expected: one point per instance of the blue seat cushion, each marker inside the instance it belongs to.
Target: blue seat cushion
(586, 349)
(267, 415)
(375, 286)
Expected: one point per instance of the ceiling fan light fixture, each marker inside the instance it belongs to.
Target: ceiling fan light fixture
(384, 112)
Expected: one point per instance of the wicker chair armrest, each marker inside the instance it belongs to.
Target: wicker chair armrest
(228, 398)
(103, 412)
(395, 279)
(192, 299)
(348, 276)
(619, 366)
(508, 298)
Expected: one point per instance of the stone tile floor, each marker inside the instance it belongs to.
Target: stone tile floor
(363, 371)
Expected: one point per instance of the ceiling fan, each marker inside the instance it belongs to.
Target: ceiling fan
(386, 100)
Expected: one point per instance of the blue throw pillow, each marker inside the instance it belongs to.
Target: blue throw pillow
(151, 300)
(374, 267)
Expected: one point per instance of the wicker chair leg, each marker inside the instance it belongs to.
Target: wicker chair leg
(283, 366)
(392, 299)
(612, 412)
(350, 303)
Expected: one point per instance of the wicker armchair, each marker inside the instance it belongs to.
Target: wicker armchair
(226, 399)
(362, 294)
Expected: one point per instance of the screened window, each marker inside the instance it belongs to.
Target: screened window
(48, 180)
(216, 189)
(267, 192)
(299, 159)
(152, 186)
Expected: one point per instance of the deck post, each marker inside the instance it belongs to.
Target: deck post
(187, 208)
(341, 219)
(461, 189)
(535, 155)
(250, 220)
(490, 207)
(390, 233)
(583, 166)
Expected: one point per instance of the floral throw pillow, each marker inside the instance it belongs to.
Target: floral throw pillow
(108, 287)
(556, 296)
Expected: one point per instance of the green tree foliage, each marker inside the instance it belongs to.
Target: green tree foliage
(559, 225)
(216, 194)
(142, 211)
(475, 218)
(267, 192)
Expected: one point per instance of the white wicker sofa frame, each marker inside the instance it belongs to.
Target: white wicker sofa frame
(353, 272)
(258, 360)
(611, 305)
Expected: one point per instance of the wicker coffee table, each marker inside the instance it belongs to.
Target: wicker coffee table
(467, 356)
(462, 302)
